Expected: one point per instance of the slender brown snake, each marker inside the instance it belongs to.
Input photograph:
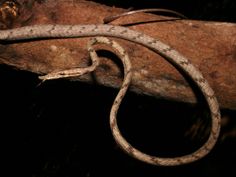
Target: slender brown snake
(69, 31)
(109, 19)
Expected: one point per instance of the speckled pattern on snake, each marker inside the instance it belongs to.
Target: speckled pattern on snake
(69, 31)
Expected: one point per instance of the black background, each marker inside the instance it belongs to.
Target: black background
(61, 128)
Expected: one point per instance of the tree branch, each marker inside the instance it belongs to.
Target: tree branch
(211, 47)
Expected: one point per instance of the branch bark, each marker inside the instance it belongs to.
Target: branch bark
(211, 46)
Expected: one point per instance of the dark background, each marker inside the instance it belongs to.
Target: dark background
(61, 128)
(214, 10)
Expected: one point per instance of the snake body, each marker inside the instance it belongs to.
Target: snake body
(174, 57)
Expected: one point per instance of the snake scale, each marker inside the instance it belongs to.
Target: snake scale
(171, 55)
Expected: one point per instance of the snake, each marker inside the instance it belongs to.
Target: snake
(131, 12)
(171, 55)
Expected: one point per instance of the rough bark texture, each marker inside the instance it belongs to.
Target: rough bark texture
(210, 46)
